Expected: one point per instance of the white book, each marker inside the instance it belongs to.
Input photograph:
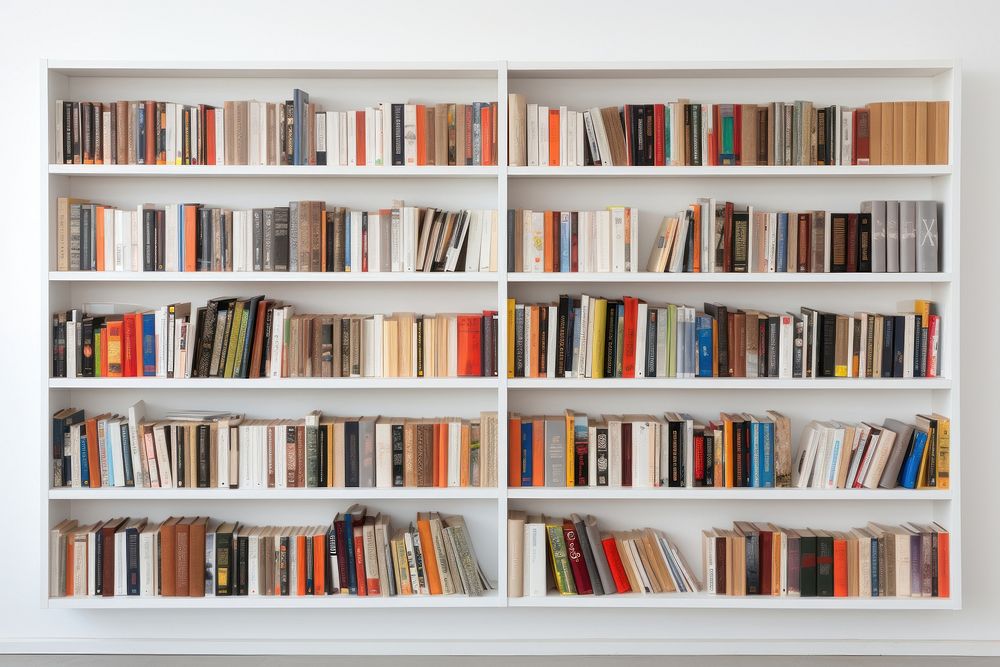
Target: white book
(379, 137)
(377, 344)
(563, 137)
(114, 435)
(632, 259)
(587, 364)
(170, 253)
(454, 453)
(488, 228)
(409, 238)
(532, 134)
(356, 219)
(370, 157)
(786, 342)
(474, 241)
(170, 133)
(332, 138)
(580, 351)
(604, 245)
(535, 242)
(277, 340)
(344, 143)
(592, 456)
(108, 149)
(642, 316)
(220, 137)
(60, 129)
(603, 147)
(535, 545)
(570, 137)
(383, 455)
(806, 456)
(543, 136)
(580, 138)
(617, 214)
(410, 135)
(772, 241)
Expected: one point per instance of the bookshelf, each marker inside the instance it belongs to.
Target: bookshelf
(683, 513)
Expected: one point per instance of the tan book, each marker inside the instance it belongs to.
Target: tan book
(62, 231)
(440, 135)
(460, 134)
(920, 132)
(875, 133)
(888, 124)
(898, 132)
(941, 125)
(616, 135)
(515, 553)
(517, 142)
(909, 138)
(748, 154)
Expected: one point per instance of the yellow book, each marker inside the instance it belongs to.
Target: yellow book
(943, 451)
(510, 337)
(570, 449)
(600, 324)
(234, 324)
(560, 559)
(927, 425)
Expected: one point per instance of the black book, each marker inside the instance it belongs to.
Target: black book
(242, 565)
(838, 242)
(224, 570)
(99, 560)
(709, 459)
(824, 566)
(132, 560)
(689, 243)
(864, 242)
(397, 431)
(602, 455)
(280, 243)
(821, 135)
(807, 564)
(510, 240)
(283, 557)
(87, 330)
(741, 241)
(887, 342)
(86, 245)
(345, 347)
(242, 369)
(827, 343)
(752, 539)
(324, 456)
(739, 445)
(773, 334)
(649, 158)
(331, 561)
(67, 137)
(676, 477)
(543, 340)
(59, 346)
(179, 449)
(719, 313)
(203, 452)
(160, 241)
(258, 239)
(352, 454)
(148, 239)
(486, 344)
(126, 454)
(204, 239)
(798, 346)
(397, 135)
(611, 341)
(562, 335)
(695, 144)
(919, 347)
(746, 426)
(266, 349)
(651, 318)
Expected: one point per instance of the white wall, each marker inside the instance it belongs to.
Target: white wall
(535, 30)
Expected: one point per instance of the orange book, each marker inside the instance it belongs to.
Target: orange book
(463, 467)
(538, 452)
(168, 556)
(421, 135)
(196, 556)
(427, 550)
(300, 570)
(190, 237)
(69, 563)
(93, 457)
(553, 137)
(697, 237)
(944, 566)
(839, 567)
(442, 458)
(360, 137)
(514, 450)
(436, 456)
(322, 243)
(99, 234)
(104, 351)
(151, 136)
(319, 564)
(550, 241)
(113, 334)
(487, 135)
(137, 343)
(359, 557)
(727, 451)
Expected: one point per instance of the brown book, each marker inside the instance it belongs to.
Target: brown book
(315, 234)
(767, 150)
(182, 560)
(898, 132)
(168, 556)
(459, 134)
(300, 453)
(424, 454)
(941, 124)
(739, 320)
(122, 132)
(748, 153)
(108, 531)
(909, 138)
(875, 133)
(616, 135)
(888, 125)
(920, 131)
(196, 557)
(441, 134)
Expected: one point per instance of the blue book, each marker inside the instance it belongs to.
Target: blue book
(352, 572)
(300, 99)
(908, 477)
(526, 439)
(564, 243)
(782, 260)
(767, 457)
(704, 336)
(84, 461)
(874, 568)
(140, 120)
(574, 317)
(148, 344)
(755, 455)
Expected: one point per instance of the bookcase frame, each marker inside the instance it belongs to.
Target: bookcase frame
(107, 80)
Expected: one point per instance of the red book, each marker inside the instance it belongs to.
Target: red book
(487, 135)
(359, 137)
(338, 527)
(699, 457)
(615, 564)
(738, 132)
(421, 134)
(659, 136)
(575, 554)
(944, 565)
(514, 451)
(629, 331)
(209, 136)
(804, 240)
(717, 124)
(359, 559)
(150, 134)
(128, 345)
(553, 137)
(839, 567)
(727, 238)
(300, 569)
(104, 351)
(470, 362)
(190, 237)
(932, 341)
(626, 454)
(766, 551)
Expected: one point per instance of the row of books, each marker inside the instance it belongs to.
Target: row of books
(573, 241)
(865, 455)
(580, 559)
(700, 134)
(595, 337)
(257, 337)
(293, 132)
(205, 449)
(303, 236)
(735, 450)
(713, 236)
(358, 553)
(877, 560)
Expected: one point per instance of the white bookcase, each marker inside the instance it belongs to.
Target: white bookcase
(683, 513)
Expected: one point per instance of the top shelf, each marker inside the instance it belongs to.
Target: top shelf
(228, 171)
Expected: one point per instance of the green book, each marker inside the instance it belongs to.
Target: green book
(560, 559)
(671, 340)
(236, 323)
(97, 352)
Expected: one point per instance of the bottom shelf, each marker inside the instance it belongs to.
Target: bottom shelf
(704, 601)
(491, 599)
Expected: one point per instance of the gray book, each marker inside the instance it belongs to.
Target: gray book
(366, 445)
(907, 236)
(927, 237)
(600, 559)
(588, 554)
(555, 451)
(293, 236)
(892, 236)
(890, 474)
(877, 211)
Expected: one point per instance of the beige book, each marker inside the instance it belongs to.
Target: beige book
(909, 137)
(517, 143)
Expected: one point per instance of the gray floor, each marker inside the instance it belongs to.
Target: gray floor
(452, 661)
